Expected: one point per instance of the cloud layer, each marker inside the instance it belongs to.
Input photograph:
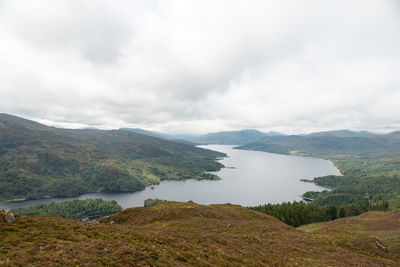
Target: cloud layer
(201, 66)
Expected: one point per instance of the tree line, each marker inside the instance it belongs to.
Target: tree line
(300, 213)
(151, 202)
(75, 209)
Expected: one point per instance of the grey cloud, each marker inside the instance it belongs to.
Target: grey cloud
(197, 66)
(96, 30)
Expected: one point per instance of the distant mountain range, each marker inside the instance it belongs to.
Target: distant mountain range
(227, 138)
(181, 138)
(233, 137)
(241, 137)
(330, 144)
(149, 133)
(37, 161)
(343, 133)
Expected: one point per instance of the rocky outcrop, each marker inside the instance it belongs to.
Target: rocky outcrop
(381, 246)
(8, 216)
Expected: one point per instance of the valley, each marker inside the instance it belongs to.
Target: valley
(257, 178)
(37, 161)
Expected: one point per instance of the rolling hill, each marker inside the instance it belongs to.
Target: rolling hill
(186, 234)
(149, 133)
(37, 161)
(383, 226)
(186, 139)
(344, 132)
(330, 144)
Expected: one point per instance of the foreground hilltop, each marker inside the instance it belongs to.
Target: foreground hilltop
(37, 161)
(384, 226)
(181, 234)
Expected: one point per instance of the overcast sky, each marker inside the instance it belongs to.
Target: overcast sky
(202, 66)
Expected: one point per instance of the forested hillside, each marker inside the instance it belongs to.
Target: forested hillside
(331, 145)
(301, 213)
(38, 161)
(75, 209)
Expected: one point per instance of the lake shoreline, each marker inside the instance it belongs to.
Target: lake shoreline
(294, 155)
(248, 179)
(18, 200)
(150, 186)
(302, 180)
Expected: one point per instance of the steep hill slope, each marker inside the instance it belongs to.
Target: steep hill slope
(38, 161)
(183, 234)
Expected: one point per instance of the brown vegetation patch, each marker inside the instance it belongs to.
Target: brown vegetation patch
(384, 226)
(182, 234)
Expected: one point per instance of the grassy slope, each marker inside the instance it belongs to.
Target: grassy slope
(384, 226)
(181, 234)
(38, 161)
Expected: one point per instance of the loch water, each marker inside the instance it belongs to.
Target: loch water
(251, 178)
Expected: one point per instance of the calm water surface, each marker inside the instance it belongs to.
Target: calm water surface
(256, 178)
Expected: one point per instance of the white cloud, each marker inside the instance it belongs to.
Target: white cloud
(199, 66)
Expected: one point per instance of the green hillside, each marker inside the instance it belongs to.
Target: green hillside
(75, 209)
(38, 161)
(330, 145)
